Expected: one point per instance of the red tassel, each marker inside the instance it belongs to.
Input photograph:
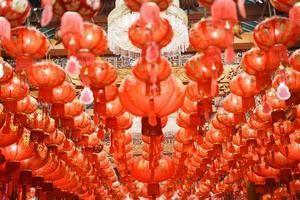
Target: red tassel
(229, 54)
(241, 6)
(150, 13)
(71, 22)
(152, 53)
(47, 12)
(294, 15)
(5, 29)
(224, 10)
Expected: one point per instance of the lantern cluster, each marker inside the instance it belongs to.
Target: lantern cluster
(48, 143)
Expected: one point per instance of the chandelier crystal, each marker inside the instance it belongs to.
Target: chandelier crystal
(121, 18)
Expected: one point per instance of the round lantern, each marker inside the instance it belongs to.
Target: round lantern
(18, 151)
(283, 5)
(134, 99)
(62, 94)
(98, 75)
(14, 90)
(141, 170)
(295, 60)
(161, 34)
(275, 31)
(45, 75)
(143, 70)
(25, 45)
(15, 11)
(87, 46)
(135, 5)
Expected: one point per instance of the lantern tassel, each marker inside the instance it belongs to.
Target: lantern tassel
(150, 14)
(72, 22)
(224, 10)
(47, 12)
(229, 55)
(152, 53)
(241, 7)
(5, 29)
(294, 15)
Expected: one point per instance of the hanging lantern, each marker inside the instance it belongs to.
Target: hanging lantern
(15, 11)
(295, 60)
(86, 8)
(134, 99)
(275, 31)
(161, 34)
(25, 45)
(135, 5)
(245, 86)
(83, 44)
(62, 94)
(283, 5)
(14, 90)
(45, 75)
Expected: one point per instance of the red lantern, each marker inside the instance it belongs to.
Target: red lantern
(14, 90)
(290, 78)
(25, 45)
(278, 161)
(161, 34)
(254, 178)
(295, 60)
(105, 95)
(134, 99)
(110, 110)
(62, 94)
(45, 75)
(275, 31)
(135, 5)
(98, 75)
(234, 104)
(25, 106)
(68, 110)
(86, 46)
(9, 133)
(141, 170)
(6, 70)
(87, 9)
(292, 149)
(18, 151)
(257, 62)
(283, 5)
(245, 86)
(210, 37)
(15, 11)
(205, 72)
(142, 70)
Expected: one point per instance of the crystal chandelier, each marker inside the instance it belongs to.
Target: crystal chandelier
(121, 18)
